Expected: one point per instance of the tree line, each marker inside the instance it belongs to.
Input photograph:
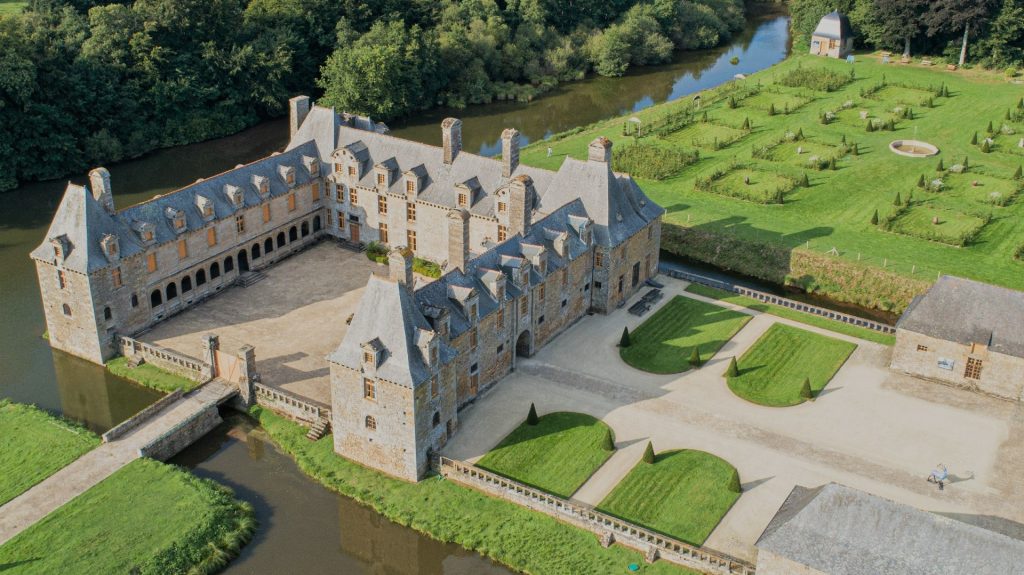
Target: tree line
(985, 32)
(85, 82)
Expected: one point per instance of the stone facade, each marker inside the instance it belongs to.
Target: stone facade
(947, 361)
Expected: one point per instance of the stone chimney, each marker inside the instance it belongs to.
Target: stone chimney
(99, 181)
(509, 152)
(458, 239)
(520, 204)
(400, 266)
(451, 138)
(298, 109)
(600, 150)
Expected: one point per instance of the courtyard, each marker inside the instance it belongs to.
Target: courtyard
(294, 318)
(868, 428)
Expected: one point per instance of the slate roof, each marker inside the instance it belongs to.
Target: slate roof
(387, 314)
(843, 531)
(84, 221)
(835, 26)
(616, 204)
(967, 311)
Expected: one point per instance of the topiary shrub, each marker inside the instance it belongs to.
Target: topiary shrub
(733, 369)
(648, 454)
(771, 109)
(898, 201)
(805, 182)
(874, 218)
(1018, 173)
(734, 482)
(608, 444)
(531, 418)
(985, 147)
(625, 341)
(746, 123)
(805, 390)
(990, 129)
(920, 181)
(695, 357)
(832, 163)
(974, 139)
(940, 167)
(854, 150)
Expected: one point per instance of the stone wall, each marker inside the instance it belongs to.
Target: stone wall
(167, 360)
(919, 355)
(769, 563)
(142, 416)
(290, 406)
(171, 442)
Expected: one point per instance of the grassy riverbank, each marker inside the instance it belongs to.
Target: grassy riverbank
(34, 445)
(745, 204)
(150, 376)
(146, 518)
(524, 540)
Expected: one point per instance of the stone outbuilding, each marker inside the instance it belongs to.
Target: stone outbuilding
(966, 333)
(833, 37)
(838, 530)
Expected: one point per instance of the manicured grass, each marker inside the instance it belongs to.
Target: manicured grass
(557, 455)
(11, 7)
(526, 541)
(150, 376)
(683, 494)
(951, 227)
(752, 184)
(836, 210)
(146, 518)
(34, 445)
(773, 370)
(809, 319)
(664, 342)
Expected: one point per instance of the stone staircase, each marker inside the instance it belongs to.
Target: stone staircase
(319, 429)
(248, 278)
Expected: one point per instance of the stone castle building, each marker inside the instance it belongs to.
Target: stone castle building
(525, 253)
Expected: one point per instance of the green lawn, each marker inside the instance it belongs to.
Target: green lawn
(146, 518)
(836, 210)
(809, 319)
(664, 343)
(10, 7)
(557, 455)
(683, 494)
(773, 370)
(150, 376)
(34, 445)
(526, 541)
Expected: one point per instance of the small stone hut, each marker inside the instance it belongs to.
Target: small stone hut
(833, 37)
(838, 530)
(966, 333)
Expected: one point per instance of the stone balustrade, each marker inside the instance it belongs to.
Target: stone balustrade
(654, 545)
(290, 405)
(175, 362)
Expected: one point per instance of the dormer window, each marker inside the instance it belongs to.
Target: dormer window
(371, 354)
(110, 246)
(234, 195)
(287, 174)
(205, 207)
(177, 218)
(463, 199)
(382, 179)
(312, 165)
(472, 311)
(59, 249)
(410, 186)
(262, 185)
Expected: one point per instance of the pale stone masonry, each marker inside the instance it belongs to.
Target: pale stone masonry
(965, 333)
(525, 253)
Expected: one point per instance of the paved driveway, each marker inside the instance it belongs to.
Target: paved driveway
(871, 429)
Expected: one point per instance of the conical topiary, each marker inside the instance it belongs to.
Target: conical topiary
(648, 453)
(920, 181)
(805, 182)
(1017, 174)
(771, 109)
(805, 389)
(871, 126)
(966, 165)
(854, 149)
(843, 139)
(832, 163)
(734, 481)
(974, 139)
(941, 167)
(733, 370)
(746, 123)
(608, 443)
(625, 341)
(874, 218)
(695, 357)
(989, 129)
(985, 147)
(800, 134)
(531, 418)
(898, 201)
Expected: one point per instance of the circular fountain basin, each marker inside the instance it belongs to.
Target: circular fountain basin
(912, 148)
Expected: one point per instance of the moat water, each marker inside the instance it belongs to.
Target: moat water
(304, 527)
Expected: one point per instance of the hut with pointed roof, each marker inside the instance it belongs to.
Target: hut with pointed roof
(833, 37)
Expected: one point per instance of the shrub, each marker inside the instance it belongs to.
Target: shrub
(732, 103)
(695, 357)
(974, 139)
(746, 124)
(990, 129)
(941, 167)
(985, 147)
(734, 60)
(734, 482)
(426, 268)
(920, 181)
(897, 201)
(377, 252)
(531, 418)
(650, 161)
(733, 370)
(608, 443)
(1018, 173)
(965, 163)
(871, 126)
(821, 79)
(771, 109)
(854, 150)
(874, 218)
(805, 182)
(648, 456)
(832, 163)
(805, 390)
(624, 341)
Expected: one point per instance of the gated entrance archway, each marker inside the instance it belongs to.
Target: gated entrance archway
(524, 345)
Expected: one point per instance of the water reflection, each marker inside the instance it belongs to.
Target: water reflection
(764, 42)
(305, 528)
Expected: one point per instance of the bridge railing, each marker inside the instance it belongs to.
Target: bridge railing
(164, 358)
(654, 545)
(291, 405)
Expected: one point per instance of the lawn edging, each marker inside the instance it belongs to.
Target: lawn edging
(521, 539)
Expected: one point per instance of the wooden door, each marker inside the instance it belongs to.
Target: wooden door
(354, 231)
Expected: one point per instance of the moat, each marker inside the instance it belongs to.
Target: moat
(297, 515)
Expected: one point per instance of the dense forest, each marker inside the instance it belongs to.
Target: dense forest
(985, 32)
(85, 82)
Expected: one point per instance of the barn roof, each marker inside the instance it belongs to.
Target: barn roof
(834, 25)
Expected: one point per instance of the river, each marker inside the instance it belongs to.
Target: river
(304, 527)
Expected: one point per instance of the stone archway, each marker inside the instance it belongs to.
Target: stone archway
(243, 261)
(524, 344)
